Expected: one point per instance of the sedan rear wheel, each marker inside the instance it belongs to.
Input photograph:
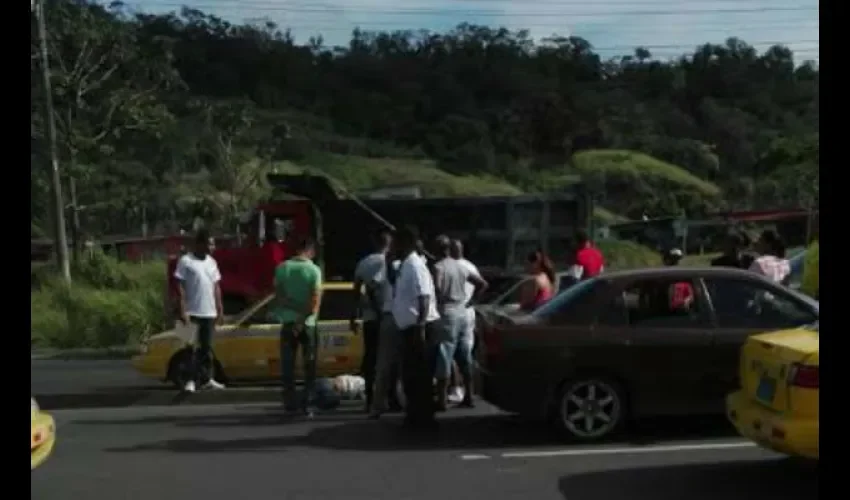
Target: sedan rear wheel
(591, 409)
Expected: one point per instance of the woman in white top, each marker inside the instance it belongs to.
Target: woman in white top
(771, 263)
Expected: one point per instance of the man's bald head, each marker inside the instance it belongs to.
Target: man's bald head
(456, 249)
(443, 244)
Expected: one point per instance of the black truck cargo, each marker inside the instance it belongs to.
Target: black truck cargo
(498, 232)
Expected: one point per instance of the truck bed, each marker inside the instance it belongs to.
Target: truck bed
(498, 233)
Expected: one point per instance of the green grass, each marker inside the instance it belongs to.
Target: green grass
(639, 165)
(358, 173)
(699, 260)
(604, 216)
(108, 304)
(621, 255)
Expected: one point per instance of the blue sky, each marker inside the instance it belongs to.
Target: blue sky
(667, 27)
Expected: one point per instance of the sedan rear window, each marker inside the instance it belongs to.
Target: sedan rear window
(565, 298)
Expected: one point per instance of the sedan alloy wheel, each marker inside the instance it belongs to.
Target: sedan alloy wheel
(591, 409)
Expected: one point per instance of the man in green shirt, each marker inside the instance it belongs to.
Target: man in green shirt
(298, 289)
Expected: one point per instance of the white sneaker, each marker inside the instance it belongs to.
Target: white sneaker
(213, 385)
(189, 386)
(456, 395)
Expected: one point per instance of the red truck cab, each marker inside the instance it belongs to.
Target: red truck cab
(247, 269)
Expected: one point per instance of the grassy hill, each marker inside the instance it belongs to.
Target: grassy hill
(359, 173)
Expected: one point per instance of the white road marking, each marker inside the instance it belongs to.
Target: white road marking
(616, 451)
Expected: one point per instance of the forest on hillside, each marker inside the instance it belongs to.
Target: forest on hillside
(165, 117)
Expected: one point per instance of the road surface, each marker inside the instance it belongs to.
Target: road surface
(60, 384)
(252, 451)
(84, 376)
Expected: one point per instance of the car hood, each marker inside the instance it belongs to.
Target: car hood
(181, 332)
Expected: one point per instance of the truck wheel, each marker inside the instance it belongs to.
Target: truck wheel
(180, 368)
(591, 408)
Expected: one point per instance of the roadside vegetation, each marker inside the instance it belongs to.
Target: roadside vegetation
(110, 304)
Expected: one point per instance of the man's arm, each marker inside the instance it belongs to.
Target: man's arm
(316, 294)
(373, 287)
(424, 289)
(479, 283)
(180, 276)
(357, 291)
(219, 304)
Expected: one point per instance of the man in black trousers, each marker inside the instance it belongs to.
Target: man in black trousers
(414, 311)
(368, 280)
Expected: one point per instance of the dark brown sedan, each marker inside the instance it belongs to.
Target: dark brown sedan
(632, 344)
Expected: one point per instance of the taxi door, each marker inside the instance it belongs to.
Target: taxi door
(244, 348)
(340, 349)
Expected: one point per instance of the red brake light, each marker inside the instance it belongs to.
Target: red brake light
(805, 376)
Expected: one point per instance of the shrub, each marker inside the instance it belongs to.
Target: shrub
(621, 254)
(110, 304)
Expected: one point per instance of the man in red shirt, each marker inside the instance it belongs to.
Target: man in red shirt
(681, 293)
(588, 259)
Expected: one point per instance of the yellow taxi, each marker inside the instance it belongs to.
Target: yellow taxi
(777, 406)
(42, 435)
(248, 348)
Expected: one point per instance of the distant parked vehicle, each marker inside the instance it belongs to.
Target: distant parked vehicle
(42, 435)
(632, 344)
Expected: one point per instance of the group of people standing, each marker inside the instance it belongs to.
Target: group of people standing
(768, 258)
(417, 323)
(418, 320)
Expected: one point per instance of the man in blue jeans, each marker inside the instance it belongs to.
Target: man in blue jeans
(298, 288)
(450, 279)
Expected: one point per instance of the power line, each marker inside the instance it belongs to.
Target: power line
(373, 25)
(719, 27)
(729, 25)
(269, 7)
(348, 5)
(692, 46)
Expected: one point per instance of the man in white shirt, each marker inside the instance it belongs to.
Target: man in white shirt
(415, 314)
(368, 288)
(199, 292)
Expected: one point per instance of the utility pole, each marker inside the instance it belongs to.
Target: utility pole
(59, 236)
(75, 220)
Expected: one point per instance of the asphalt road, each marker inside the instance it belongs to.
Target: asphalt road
(60, 384)
(81, 377)
(252, 451)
